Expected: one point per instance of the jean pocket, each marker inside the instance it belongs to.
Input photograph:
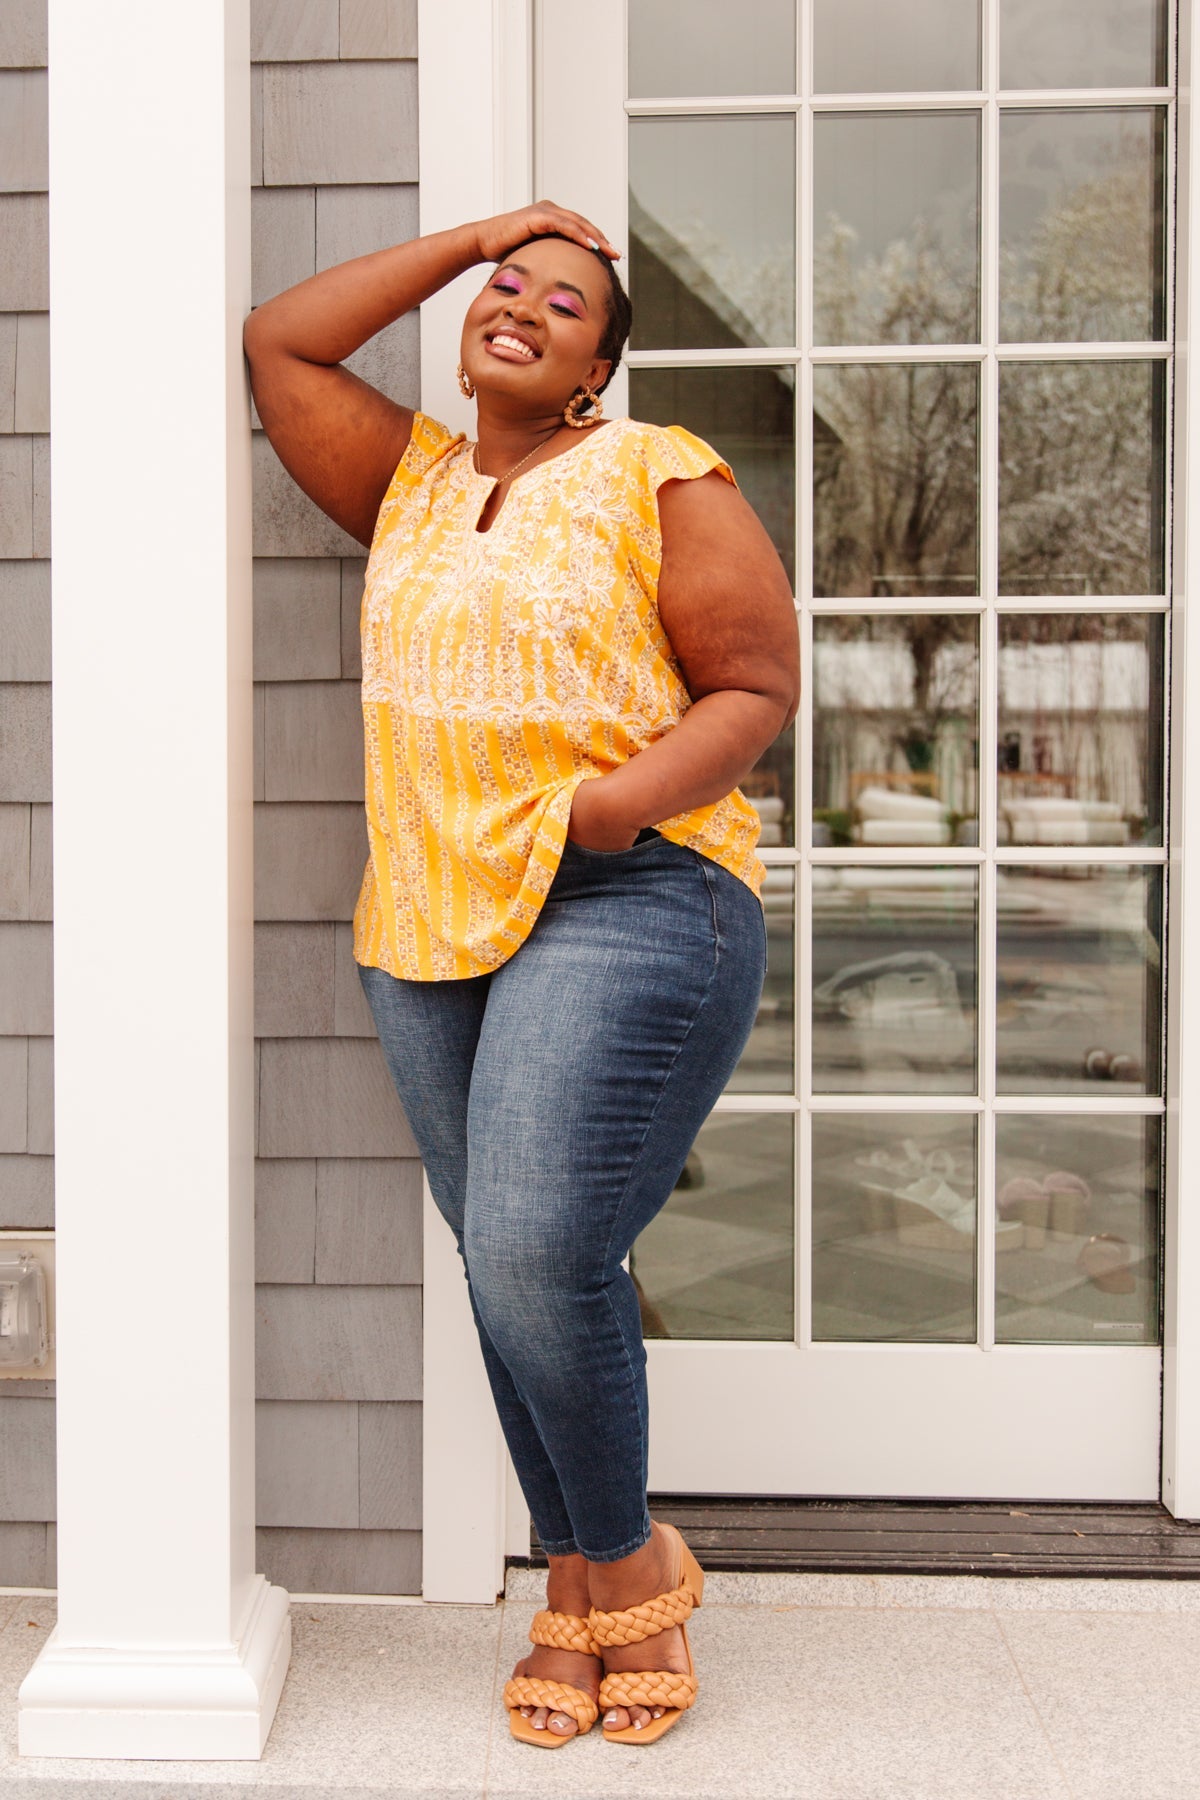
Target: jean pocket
(646, 836)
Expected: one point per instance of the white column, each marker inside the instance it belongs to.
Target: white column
(168, 1643)
(1181, 1343)
(474, 72)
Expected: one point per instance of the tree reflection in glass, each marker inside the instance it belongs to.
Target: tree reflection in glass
(895, 729)
(895, 480)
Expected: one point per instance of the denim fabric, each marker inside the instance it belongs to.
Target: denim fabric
(554, 1102)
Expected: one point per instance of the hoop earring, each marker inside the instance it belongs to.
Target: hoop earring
(579, 399)
(465, 384)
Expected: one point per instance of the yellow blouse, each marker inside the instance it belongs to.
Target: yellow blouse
(501, 669)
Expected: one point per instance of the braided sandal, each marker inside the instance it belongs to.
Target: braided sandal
(558, 1631)
(658, 1687)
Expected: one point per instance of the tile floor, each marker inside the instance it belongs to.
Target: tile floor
(815, 1687)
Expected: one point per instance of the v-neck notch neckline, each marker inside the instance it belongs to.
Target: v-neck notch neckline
(493, 481)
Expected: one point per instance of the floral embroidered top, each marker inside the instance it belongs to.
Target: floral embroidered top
(501, 669)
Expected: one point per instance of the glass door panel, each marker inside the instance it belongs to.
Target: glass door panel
(875, 46)
(1083, 43)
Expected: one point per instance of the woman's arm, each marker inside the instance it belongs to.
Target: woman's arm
(727, 608)
(339, 438)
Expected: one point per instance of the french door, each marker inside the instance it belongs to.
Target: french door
(909, 269)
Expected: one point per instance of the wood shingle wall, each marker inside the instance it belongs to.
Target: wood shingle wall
(334, 163)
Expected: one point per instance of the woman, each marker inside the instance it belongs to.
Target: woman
(577, 638)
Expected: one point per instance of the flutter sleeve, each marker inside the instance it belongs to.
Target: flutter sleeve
(659, 454)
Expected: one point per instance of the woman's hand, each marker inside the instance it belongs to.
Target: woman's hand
(542, 219)
(594, 823)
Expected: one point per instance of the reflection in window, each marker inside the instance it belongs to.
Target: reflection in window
(749, 416)
(1078, 1198)
(712, 227)
(895, 729)
(893, 1201)
(1081, 225)
(895, 480)
(709, 47)
(896, 223)
(1083, 43)
(1078, 979)
(875, 46)
(718, 1260)
(894, 965)
(768, 1063)
(770, 788)
(1081, 477)
(1081, 728)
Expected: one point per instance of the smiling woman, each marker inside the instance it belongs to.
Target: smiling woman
(577, 639)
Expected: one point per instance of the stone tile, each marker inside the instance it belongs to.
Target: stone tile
(41, 495)
(25, 741)
(339, 122)
(41, 1096)
(27, 1465)
(293, 980)
(24, 132)
(285, 1220)
(351, 1014)
(16, 490)
(1051, 1593)
(286, 522)
(26, 980)
(369, 1221)
(23, 34)
(389, 1466)
(14, 862)
(382, 28)
(306, 1463)
(26, 1193)
(353, 572)
(22, 1564)
(314, 742)
(1117, 1695)
(323, 1343)
(41, 897)
(14, 1095)
(24, 253)
(329, 1097)
(873, 1705)
(293, 30)
(31, 405)
(309, 861)
(8, 370)
(297, 623)
(25, 620)
(282, 240)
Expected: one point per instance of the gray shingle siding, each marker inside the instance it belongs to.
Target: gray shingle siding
(338, 1187)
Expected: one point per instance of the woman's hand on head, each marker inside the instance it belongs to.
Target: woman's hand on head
(543, 219)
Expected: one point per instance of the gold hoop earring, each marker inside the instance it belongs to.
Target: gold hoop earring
(579, 399)
(465, 384)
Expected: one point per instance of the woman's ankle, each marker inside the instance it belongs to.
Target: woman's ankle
(567, 1587)
(632, 1579)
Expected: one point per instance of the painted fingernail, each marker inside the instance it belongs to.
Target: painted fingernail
(610, 1718)
(592, 244)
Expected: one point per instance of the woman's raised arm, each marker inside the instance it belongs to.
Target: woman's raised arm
(339, 438)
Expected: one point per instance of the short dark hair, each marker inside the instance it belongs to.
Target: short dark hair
(615, 335)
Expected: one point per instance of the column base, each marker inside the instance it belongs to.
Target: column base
(183, 1704)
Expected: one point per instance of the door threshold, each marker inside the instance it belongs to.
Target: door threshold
(924, 1537)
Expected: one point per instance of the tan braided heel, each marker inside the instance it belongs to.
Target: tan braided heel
(560, 1631)
(655, 1687)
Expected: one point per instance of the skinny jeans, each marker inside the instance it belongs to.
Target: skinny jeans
(554, 1102)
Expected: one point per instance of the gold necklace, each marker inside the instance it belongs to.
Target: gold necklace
(519, 465)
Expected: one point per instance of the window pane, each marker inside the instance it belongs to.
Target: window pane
(1083, 43)
(1081, 728)
(1078, 979)
(877, 47)
(771, 789)
(709, 47)
(718, 1260)
(749, 416)
(896, 222)
(768, 1064)
(893, 1228)
(895, 480)
(712, 229)
(1081, 478)
(895, 729)
(1081, 225)
(894, 977)
(1078, 1199)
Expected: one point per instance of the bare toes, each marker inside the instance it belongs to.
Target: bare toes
(639, 1717)
(540, 1715)
(616, 1719)
(563, 1723)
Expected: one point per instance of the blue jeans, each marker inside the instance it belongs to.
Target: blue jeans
(554, 1102)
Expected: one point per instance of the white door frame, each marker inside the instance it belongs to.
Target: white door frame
(479, 72)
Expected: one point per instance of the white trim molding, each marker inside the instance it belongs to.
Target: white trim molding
(168, 1644)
